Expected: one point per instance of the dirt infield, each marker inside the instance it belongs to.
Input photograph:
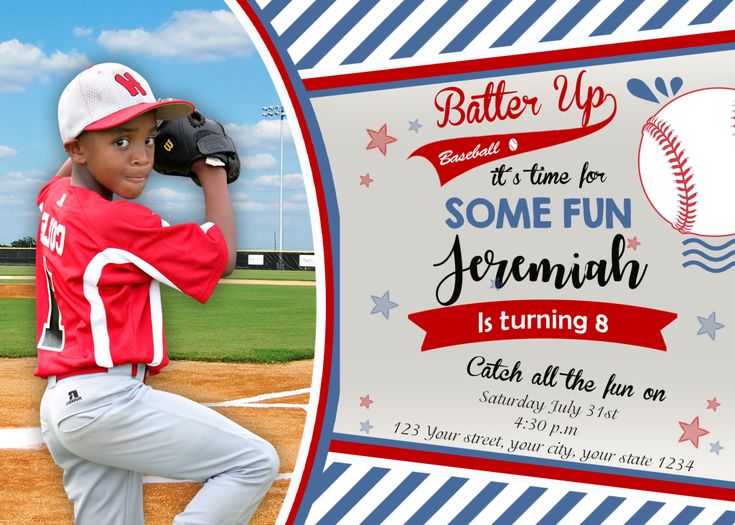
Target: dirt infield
(17, 291)
(36, 494)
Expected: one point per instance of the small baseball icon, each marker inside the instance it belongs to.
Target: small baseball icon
(513, 144)
(685, 162)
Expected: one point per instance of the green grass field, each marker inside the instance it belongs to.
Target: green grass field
(271, 275)
(254, 323)
(274, 275)
(7, 269)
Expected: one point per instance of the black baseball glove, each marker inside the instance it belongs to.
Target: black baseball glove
(181, 142)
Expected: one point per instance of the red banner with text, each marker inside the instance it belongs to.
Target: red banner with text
(543, 319)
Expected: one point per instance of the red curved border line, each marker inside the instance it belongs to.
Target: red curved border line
(327, 244)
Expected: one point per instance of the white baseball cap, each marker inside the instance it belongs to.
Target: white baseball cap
(106, 95)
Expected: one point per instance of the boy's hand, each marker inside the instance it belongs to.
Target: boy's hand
(180, 143)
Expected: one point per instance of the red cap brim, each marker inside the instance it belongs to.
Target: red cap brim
(170, 109)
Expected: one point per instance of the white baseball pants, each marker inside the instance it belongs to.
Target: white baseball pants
(105, 430)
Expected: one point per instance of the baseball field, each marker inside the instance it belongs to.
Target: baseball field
(247, 353)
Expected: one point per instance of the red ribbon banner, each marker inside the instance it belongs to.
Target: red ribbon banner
(453, 157)
(543, 319)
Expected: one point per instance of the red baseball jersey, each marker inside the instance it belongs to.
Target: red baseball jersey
(98, 268)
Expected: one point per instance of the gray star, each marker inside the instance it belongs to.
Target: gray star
(366, 427)
(414, 125)
(383, 304)
(709, 325)
(715, 447)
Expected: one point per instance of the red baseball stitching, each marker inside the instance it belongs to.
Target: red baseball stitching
(662, 133)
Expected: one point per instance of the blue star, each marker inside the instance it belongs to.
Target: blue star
(715, 447)
(414, 125)
(709, 325)
(366, 427)
(383, 304)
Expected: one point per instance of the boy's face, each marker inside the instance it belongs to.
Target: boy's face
(119, 159)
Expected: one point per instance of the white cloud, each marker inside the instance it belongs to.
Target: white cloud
(291, 180)
(251, 206)
(245, 204)
(298, 197)
(18, 195)
(21, 64)
(260, 161)
(263, 134)
(82, 31)
(19, 181)
(191, 36)
(6, 151)
(294, 206)
(167, 195)
(239, 196)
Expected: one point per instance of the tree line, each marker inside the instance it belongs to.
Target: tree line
(23, 242)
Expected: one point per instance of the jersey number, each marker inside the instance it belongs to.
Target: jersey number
(53, 331)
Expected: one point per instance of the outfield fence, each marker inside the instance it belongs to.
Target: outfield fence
(246, 259)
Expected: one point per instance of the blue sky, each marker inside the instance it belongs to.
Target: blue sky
(191, 49)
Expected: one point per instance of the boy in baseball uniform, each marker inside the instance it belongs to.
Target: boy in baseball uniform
(99, 266)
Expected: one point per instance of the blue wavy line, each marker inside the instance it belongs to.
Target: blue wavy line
(709, 257)
(707, 268)
(710, 246)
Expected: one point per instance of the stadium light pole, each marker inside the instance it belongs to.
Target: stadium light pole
(277, 111)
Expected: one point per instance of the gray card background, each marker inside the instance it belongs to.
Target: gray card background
(393, 232)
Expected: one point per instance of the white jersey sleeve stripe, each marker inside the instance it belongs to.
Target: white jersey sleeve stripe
(156, 323)
(98, 316)
(206, 226)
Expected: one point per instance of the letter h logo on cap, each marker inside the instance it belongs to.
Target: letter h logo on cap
(130, 83)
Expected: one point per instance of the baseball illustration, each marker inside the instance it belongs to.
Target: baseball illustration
(513, 144)
(685, 161)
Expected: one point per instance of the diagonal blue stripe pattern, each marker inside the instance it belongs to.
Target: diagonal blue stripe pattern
(329, 476)
(480, 22)
(354, 495)
(571, 19)
(478, 503)
(273, 8)
(663, 15)
(520, 26)
(645, 513)
(562, 508)
(429, 29)
(436, 501)
(381, 32)
(728, 518)
(519, 506)
(687, 515)
(617, 17)
(395, 498)
(712, 11)
(334, 35)
(604, 510)
(302, 23)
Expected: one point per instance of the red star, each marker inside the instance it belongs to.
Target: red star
(365, 180)
(713, 404)
(692, 432)
(633, 243)
(380, 139)
(366, 401)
